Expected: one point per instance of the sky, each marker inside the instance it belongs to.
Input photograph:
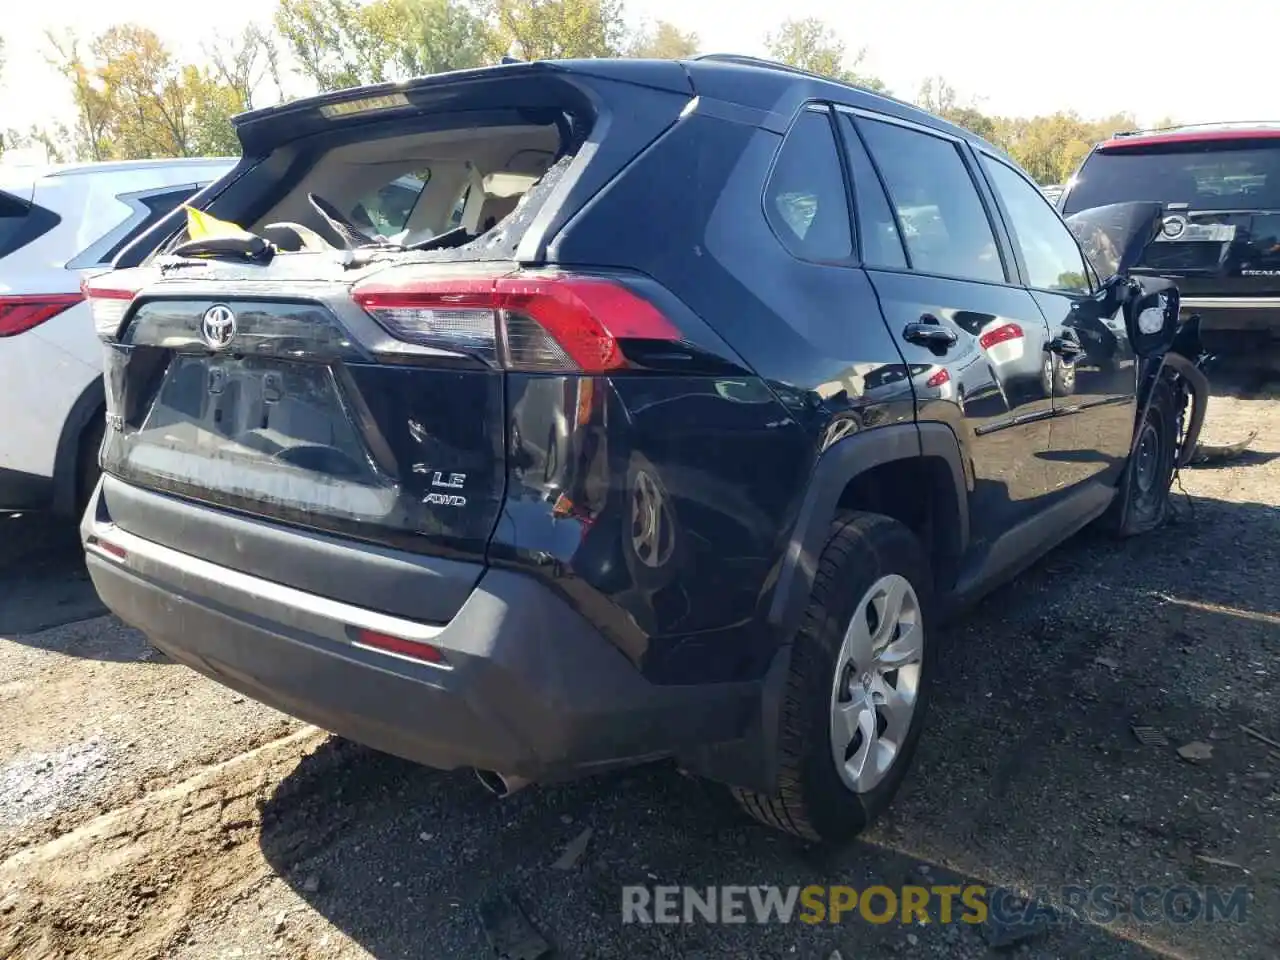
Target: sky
(1188, 59)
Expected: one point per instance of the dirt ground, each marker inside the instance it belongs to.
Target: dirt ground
(146, 812)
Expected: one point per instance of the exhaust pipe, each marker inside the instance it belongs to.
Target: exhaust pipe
(500, 784)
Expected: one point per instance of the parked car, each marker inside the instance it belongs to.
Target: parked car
(59, 224)
(1220, 188)
(650, 455)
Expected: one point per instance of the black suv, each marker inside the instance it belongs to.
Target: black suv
(1220, 188)
(665, 416)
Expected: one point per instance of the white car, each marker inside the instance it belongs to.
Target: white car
(57, 225)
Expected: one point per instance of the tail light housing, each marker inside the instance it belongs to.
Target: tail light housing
(108, 302)
(1001, 334)
(538, 322)
(939, 378)
(20, 313)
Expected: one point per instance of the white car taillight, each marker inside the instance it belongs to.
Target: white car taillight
(108, 306)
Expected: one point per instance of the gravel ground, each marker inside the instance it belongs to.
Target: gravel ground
(146, 812)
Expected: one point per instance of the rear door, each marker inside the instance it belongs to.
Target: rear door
(1221, 193)
(976, 336)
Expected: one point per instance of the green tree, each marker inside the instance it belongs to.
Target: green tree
(663, 41)
(422, 37)
(244, 62)
(810, 44)
(940, 98)
(328, 40)
(556, 29)
(345, 43)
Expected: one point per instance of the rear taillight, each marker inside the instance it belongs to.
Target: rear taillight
(939, 378)
(108, 304)
(1001, 334)
(19, 313)
(555, 322)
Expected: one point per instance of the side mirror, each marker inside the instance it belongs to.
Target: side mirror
(1114, 237)
(1151, 319)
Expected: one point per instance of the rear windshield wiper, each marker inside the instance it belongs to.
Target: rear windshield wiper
(352, 237)
(248, 246)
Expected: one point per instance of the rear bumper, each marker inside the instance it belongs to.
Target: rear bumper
(530, 689)
(1257, 314)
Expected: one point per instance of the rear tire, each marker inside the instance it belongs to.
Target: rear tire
(1142, 503)
(87, 469)
(829, 790)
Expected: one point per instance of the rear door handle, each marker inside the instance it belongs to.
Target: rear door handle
(931, 335)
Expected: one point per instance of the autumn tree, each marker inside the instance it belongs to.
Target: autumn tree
(89, 136)
(810, 44)
(134, 99)
(663, 41)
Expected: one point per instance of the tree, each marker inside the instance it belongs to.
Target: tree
(134, 99)
(941, 99)
(345, 43)
(241, 63)
(555, 29)
(422, 37)
(89, 136)
(663, 41)
(325, 37)
(810, 44)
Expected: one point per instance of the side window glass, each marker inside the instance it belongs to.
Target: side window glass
(944, 223)
(1052, 257)
(878, 230)
(805, 199)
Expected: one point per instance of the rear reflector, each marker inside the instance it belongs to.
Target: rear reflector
(108, 305)
(19, 314)
(554, 323)
(109, 548)
(1001, 334)
(385, 642)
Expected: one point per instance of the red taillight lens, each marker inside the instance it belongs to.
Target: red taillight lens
(19, 313)
(108, 304)
(416, 649)
(938, 379)
(1001, 334)
(546, 323)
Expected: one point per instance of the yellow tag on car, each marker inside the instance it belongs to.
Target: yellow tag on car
(204, 226)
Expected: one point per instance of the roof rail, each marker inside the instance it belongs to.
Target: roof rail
(1217, 124)
(745, 60)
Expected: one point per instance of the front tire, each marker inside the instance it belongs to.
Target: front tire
(858, 685)
(1142, 503)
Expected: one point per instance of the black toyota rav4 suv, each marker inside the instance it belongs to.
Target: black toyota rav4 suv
(559, 416)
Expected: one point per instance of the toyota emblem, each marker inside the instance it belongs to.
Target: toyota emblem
(218, 326)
